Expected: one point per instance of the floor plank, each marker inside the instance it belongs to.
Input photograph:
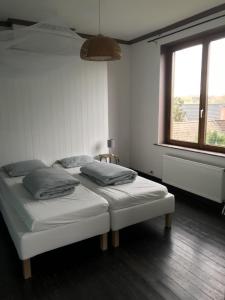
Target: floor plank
(187, 262)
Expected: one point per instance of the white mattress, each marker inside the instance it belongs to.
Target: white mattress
(40, 215)
(126, 195)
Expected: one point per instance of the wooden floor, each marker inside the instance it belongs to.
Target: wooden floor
(187, 262)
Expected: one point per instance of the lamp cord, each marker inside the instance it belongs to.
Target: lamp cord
(99, 17)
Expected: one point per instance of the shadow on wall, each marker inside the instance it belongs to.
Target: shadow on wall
(97, 147)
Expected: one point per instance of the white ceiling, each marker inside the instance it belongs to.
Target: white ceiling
(124, 19)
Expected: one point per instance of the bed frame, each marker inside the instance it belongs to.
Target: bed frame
(128, 216)
(29, 244)
(26, 263)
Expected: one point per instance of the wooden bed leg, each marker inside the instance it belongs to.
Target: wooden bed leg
(104, 241)
(168, 220)
(26, 269)
(115, 239)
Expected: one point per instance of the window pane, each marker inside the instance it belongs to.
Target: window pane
(215, 134)
(186, 94)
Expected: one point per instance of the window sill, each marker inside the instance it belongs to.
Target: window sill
(191, 150)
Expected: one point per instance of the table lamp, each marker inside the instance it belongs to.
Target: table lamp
(110, 145)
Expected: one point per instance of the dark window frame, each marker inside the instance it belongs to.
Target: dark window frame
(167, 52)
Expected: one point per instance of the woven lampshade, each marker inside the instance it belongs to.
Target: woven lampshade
(100, 48)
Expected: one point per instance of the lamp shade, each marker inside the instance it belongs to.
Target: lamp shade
(111, 143)
(100, 48)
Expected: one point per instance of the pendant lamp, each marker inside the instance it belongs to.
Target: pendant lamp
(100, 47)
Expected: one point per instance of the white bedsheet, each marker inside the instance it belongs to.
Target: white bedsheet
(40, 215)
(126, 195)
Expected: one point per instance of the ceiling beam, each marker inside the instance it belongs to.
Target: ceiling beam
(13, 21)
(173, 26)
(88, 36)
(5, 24)
(30, 23)
(180, 23)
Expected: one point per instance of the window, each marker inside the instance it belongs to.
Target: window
(195, 93)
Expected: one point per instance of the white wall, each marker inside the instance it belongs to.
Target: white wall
(145, 121)
(52, 108)
(119, 104)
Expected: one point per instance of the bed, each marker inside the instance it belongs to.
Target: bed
(39, 226)
(131, 203)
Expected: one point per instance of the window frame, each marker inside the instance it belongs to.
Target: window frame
(167, 54)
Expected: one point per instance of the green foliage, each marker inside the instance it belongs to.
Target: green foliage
(211, 99)
(215, 138)
(178, 114)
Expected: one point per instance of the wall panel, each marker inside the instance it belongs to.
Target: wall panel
(49, 113)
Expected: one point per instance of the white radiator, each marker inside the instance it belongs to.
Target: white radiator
(198, 178)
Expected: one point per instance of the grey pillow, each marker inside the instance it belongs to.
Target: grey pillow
(76, 161)
(22, 168)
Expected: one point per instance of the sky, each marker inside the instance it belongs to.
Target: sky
(187, 70)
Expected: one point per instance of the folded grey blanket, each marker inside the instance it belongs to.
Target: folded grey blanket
(49, 183)
(108, 174)
(76, 161)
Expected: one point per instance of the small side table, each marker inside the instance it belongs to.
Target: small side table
(109, 157)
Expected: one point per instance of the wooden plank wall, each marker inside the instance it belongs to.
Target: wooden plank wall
(54, 112)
